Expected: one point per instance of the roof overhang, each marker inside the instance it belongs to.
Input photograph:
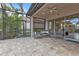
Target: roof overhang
(56, 10)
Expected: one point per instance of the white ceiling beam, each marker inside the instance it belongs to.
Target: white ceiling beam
(66, 15)
(39, 10)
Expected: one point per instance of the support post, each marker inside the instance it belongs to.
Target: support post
(24, 25)
(31, 27)
(54, 28)
(17, 25)
(46, 25)
(4, 18)
(64, 27)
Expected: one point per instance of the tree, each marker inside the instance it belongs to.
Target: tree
(12, 23)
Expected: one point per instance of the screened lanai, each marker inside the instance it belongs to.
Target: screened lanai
(59, 19)
(13, 20)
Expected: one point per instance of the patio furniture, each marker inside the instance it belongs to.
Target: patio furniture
(37, 35)
(45, 33)
(73, 37)
(41, 34)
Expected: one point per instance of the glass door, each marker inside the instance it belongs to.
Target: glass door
(70, 27)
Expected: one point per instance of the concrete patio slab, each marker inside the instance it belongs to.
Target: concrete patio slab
(38, 47)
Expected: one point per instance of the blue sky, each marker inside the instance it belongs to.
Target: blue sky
(25, 6)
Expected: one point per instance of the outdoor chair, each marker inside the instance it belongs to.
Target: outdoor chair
(37, 35)
(45, 33)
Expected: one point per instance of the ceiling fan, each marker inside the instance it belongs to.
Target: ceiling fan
(55, 10)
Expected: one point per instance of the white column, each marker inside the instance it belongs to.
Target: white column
(46, 25)
(64, 27)
(31, 27)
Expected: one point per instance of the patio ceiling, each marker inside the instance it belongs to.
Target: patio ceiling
(56, 10)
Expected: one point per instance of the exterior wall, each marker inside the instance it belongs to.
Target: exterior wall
(38, 25)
